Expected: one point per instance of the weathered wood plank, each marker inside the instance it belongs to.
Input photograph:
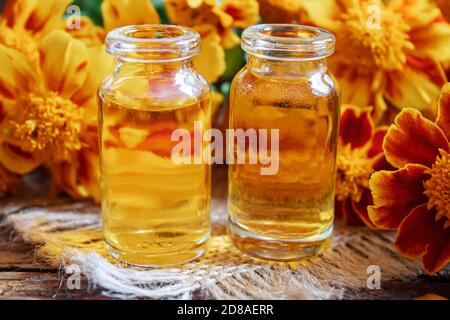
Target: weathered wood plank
(22, 277)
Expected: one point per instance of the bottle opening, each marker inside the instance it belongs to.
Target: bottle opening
(153, 43)
(288, 42)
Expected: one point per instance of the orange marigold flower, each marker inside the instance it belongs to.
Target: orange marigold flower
(222, 16)
(359, 155)
(415, 199)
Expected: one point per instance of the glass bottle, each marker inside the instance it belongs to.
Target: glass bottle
(156, 210)
(285, 213)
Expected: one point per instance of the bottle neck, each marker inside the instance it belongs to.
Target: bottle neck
(154, 67)
(285, 69)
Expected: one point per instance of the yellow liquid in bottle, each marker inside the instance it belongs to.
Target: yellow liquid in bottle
(155, 212)
(289, 215)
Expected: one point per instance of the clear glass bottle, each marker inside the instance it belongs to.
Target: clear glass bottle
(285, 85)
(156, 211)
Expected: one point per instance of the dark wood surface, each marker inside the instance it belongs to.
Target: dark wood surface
(22, 277)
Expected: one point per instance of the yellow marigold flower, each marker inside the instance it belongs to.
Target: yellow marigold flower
(388, 52)
(223, 16)
(44, 123)
(211, 60)
(34, 16)
(24, 22)
(88, 32)
(215, 22)
(119, 13)
(244, 12)
(79, 174)
(50, 107)
(278, 11)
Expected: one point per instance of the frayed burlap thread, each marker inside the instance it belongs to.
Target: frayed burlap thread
(68, 233)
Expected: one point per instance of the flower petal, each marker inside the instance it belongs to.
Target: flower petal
(444, 5)
(211, 60)
(100, 64)
(443, 118)
(412, 87)
(63, 62)
(90, 34)
(376, 144)
(244, 12)
(395, 194)
(421, 236)
(34, 16)
(416, 13)
(16, 76)
(119, 13)
(356, 126)
(344, 210)
(275, 11)
(324, 13)
(360, 208)
(79, 177)
(16, 160)
(432, 41)
(413, 139)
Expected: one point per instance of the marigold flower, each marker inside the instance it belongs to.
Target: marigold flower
(211, 61)
(222, 16)
(78, 175)
(244, 12)
(24, 22)
(415, 199)
(88, 32)
(49, 107)
(35, 17)
(119, 13)
(278, 11)
(388, 52)
(359, 155)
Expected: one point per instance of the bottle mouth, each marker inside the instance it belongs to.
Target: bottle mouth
(153, 43)
(289, 42)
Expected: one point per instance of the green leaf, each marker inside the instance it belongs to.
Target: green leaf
(91, 8)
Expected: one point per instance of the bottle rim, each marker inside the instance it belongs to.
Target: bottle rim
(153, 43)
(288, 42)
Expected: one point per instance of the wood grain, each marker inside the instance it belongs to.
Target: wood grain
(23, 277)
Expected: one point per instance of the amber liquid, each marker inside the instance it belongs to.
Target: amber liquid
(289, 215)
(155, 212)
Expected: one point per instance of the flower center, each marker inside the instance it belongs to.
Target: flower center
(437, 188)
(353, 173)
(373, 36)
(48, 125)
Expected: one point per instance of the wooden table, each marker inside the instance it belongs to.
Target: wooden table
(21, 276)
